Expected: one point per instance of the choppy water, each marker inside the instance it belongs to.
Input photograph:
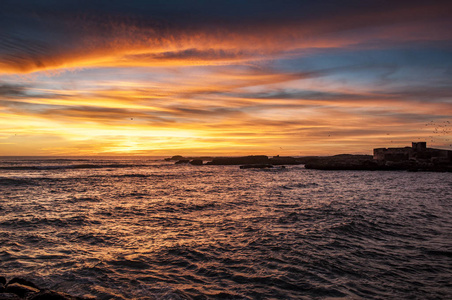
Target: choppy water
(122, 229)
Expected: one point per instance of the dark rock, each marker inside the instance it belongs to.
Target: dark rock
(9, 296)
(344, 158)
(196, 162)
(244, 160)
(366, 162)
(20, 289)
(23, 282)
(340, 165)
(343, 162)
(182, 161)
(3, 280)
(281, 160)
(307, 159)
(180, 157)
(175, 157)
(52, 295)
(265, 166)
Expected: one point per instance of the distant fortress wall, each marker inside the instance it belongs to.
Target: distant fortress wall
(418, 152)
(392, 154)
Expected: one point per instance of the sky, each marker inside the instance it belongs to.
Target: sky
(223, 77)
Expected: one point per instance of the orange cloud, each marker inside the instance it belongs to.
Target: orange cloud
(216, 85)
(87, 41)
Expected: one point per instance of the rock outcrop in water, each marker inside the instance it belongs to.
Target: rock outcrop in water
(363, 162)
(180, 157)
(196, 162)
(243, 160)
(285, 160)
(240, 160)
(19, 288)
(182, 161)
(341, 162)
(264, 166)
(433, 160)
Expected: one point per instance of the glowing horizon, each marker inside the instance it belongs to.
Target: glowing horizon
(223, 78)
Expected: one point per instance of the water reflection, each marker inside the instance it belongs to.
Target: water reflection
(167, 231)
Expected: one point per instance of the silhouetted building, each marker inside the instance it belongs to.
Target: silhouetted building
(418, 152)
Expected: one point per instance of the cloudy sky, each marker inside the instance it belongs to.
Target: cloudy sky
(223, 77)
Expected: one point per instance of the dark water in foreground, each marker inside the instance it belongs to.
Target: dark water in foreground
(148, 229)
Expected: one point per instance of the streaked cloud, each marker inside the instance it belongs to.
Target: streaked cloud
(48, 36)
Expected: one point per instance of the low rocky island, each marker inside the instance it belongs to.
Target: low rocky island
(415, 158)
(339, 163)
(237, 160)
(20, 288)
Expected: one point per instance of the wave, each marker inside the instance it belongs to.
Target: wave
(130, 264)
(15, 181)
(77, 166)
(43, 221)
(439, 253)
(132, 175)
(300, 186)
(84, 199)
(219, 232)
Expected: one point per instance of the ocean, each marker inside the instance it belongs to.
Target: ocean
(143, 228)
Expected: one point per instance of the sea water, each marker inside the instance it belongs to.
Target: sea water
(143, 228)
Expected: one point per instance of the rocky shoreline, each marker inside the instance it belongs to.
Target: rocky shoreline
(336, 162)
(239, 160)
(23, 289)
(352, 164)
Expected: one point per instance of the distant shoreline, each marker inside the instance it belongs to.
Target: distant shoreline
(335, 162)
